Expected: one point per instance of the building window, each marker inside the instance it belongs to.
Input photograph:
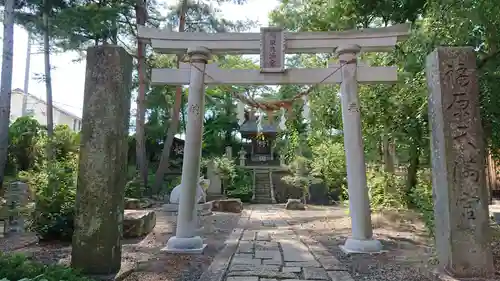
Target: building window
(30, 112)
(77, 125)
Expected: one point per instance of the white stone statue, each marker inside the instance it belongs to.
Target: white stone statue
(203, 184)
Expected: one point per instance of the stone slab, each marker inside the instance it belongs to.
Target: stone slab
(264, 274)
(245, 247)
(246, 261)
(312, 273)
(294, 269)
(238, 278)
(295, 251)
(137, 223)
(332, 264)
(303, 264)
(273, 262)
(248, 235)
(275, 255)
(263, 236)
(266, 246)
(251, 267)
(243, 255)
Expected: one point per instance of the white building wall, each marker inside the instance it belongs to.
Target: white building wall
(38, 108)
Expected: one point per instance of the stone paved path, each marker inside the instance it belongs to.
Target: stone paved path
(270, 249)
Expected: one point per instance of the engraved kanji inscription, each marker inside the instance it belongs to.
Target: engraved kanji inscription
(272, 56)
(194, 109)
(353, 107)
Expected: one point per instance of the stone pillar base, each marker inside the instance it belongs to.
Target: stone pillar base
(192, 245)
(354, 246)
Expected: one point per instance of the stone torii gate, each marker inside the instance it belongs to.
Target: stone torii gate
(272, 43)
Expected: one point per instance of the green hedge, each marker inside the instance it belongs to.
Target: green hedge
(19, 268)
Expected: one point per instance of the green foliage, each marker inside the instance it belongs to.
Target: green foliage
(54, 183)
(422, 198)
(55, 202)
(225, 167)
(237, 181)
(300, 169)
(65, 142)
(240, 185)
(19, 268)
(26, 142)
(386, 190)
(328, 163)
(135, 187)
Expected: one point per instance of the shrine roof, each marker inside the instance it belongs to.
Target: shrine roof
(250, 127)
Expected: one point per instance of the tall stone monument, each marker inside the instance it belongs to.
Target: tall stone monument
(103, 161)
(17, 199)
(458, 179)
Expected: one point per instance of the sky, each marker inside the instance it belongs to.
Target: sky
(68, 76)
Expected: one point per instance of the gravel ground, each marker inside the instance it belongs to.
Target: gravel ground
(153, 264)
(401, 233)
(162, 266)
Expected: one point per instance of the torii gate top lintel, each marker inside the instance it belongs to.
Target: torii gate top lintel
(272, 43)
(369, 39)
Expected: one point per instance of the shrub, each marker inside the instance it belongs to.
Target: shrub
(18, 267)
(225, 167)
(386, 189)
(135, 187)
(55, 202)
(65, 142)
(300, 177)
(26, 145)
(422, 198)
(328, 164)
(237, 181)
(241, 185)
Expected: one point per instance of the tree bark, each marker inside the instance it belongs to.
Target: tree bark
(140, 146)
(6, 83)
(174, 123)
(48, 79)
(388, 159)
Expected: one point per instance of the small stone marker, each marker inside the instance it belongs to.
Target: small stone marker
(458, 175)
(17, 199)
(215, 187)
(103, 161)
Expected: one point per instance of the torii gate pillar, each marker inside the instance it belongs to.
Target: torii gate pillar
(361, 240)
(185, 239)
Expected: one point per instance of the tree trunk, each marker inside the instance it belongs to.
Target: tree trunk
(48, 80)
(388, 160)
(412, 172)
(174, 123)
(6, 83)
(140, 145)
